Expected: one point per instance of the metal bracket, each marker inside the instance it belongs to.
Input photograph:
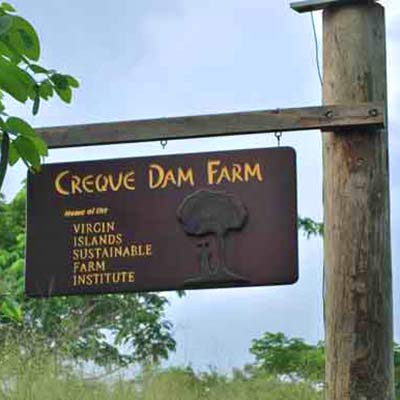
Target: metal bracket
(315, 5)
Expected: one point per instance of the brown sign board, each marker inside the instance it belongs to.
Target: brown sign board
(189, 221)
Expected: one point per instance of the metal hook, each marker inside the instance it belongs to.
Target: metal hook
(163, 143)
(278, 136)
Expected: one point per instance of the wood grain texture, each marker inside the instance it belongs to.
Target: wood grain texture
(358, 282)
(293, 119)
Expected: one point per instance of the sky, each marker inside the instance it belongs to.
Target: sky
(152, 58)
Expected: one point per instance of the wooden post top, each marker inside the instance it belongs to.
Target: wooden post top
(315, 5)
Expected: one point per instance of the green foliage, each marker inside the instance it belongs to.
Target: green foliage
(40, 376)
(12, 219)
(94, 328)
(397, 370)
(23, 79)
(310, 227)
(184, 384)
(278, 355)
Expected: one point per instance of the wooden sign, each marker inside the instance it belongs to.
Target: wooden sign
(208, 220)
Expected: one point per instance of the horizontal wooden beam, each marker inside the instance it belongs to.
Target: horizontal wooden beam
(279, 120)
(315, 5)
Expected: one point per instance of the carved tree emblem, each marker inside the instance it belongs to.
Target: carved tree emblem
(212, 213)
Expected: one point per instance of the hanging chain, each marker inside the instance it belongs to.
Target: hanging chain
(163, 143)
(278, 136)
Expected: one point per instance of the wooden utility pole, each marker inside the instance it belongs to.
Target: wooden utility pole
(359, 326)
(358, 281)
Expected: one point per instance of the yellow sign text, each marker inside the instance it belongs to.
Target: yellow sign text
(218, 173)
(68, 184)
(161, 178)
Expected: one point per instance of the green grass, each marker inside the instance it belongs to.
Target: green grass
(40, 376)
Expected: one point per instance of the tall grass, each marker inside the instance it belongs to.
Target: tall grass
(40, 375)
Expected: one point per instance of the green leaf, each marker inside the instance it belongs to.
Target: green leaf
(28, 152)
(40, 145)
(46, 90)
(6, 22)
(24, 39)
(8, 7)
(6, 51)
(65, 94)
(72, 81)
(19, 126)
(25, 77)
(13, 155)
(10, 310)
(61, 81)
(37, 69)
(36, 103)
(17, 267)
(15, 81)
(6, 311)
